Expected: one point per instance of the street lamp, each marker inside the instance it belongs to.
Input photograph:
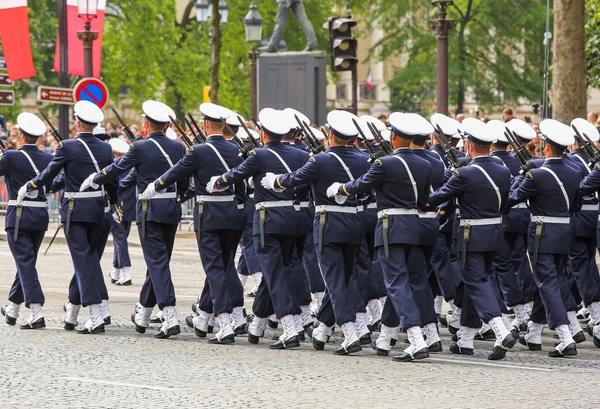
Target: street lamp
(204, 10)
(442, 26)
(253, 23)
(87, 10)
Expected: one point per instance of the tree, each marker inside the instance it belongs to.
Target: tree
(592, 46)
(569, 89)
(495, 50)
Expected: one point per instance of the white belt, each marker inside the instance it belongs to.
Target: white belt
(240, 206)
(27, 203)
(481, 222)
(304, 205)
(165, 195)
(335, 209)
(371, 206)
(551, 219)
(83, 195)
(107, 209)
(589, 208)
(396, 212)
(520, 206)
(226, 198)
(274, 203)
(428, 215)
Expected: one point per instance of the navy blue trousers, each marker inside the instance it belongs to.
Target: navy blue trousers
(553, 298)
(276, 261)
(120, 232)
(222, 288)
(248, 263)
(26, 288)
(397, 277)
(87, 286)
(364, 262)
(477, 276)
(444, 268)
(299, 276)
(158, 247)
(506, 270)
(343, 298)
(582, 263)
(311, 265)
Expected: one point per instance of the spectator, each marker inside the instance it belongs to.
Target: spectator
(42, 146)
(508, 114)
(460, 117)
(2, 124)
(479, 114)
(113, 134)
(593, 117)
(383, 118)
(527, 120)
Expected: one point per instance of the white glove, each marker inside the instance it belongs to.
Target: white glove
(150, 191)
(268, 182)
(33, 194)
(22, 193)
(116, 217)
(210, 186)
(250, 182)
(89, 182)
(332, 191)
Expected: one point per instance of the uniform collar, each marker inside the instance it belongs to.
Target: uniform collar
(274, 143)
(498, 152)
(157, 135)
(28, 145)
(554, 159)
(85, 135)
(215, 136)
(480, 159)
(402, 150)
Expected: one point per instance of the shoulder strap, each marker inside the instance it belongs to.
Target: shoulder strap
(280, 159)
(219, 156)
(439, 156)
(584, 164)
(89, 151)
(343, 165)
(163, 152)
(560, 184)
(410, 176)
(487, 176)
(35, 169)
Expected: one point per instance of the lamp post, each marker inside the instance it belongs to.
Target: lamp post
(442, 26)
(88, 10)
(253, 23)
(204, 13)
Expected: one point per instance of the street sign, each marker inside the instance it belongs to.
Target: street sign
(2, 63)
(4, 80)
(7, 97)
(93, 90)
(56, 95)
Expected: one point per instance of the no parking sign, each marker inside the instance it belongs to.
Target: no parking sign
(93, 90)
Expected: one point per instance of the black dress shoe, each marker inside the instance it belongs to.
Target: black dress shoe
(113, 281)
(226, 340)
(126, 283)
(497, 353)
(272, 324)
(155, 320)
(380, 351)
(301, 336)
(530, 345)
(365, 339)
(350, 349)
(309, 331)
(589, 328)
(37, 324)
(240, 330)
(98, 330)
(579, 337)
(195, 308)
(393, 342)
(253, 339)
(523, 327)
(210, 329)
(515, 333)
(199, 333)
(406, 357)
(455, 349)
(68, 326)
(107, 321)
(292, 342)
(189, 321)
(138, 328)
(452, 330)
(174, 330)
(435, 347)
(318, 345)
(251, 294)
(376, 326)
(509, 341)
(569, 350)
(597, 342)
(443, 320)
(454, 338)
(9, 320)
(486, 336)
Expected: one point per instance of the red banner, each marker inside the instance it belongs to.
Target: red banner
(16, 42)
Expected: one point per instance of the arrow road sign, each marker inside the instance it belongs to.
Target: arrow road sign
(4, 80)
(7, 97)
(56, 95)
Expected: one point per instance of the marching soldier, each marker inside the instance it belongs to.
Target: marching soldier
(157, 218)
(217, 221)
(25, 223)
(274, 228)
(82, 212)
(482, 190)
(553, 194)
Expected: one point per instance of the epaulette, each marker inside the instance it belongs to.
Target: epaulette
(131, 145)
(597, 166)
(252, 152)
(456, 172)
(312, 159)
(529, 175)
(61, 144)
(378, 162)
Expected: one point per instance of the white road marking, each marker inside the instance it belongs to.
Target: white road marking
(127, 385)
(474, 362)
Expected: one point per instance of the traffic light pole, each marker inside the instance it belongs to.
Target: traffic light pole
(354, 106)
(63, 74)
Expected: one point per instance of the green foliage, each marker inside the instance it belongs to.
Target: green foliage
(592, 46)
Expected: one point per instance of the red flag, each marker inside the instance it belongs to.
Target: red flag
(16, 42)
(75, 45)
(369, 83)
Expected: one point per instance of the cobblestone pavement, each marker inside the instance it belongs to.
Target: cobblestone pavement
(53, 368)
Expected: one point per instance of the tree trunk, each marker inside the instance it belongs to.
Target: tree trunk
(569, 86)
(215, 52)
(460, 97)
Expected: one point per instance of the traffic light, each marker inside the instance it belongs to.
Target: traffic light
(341, 43)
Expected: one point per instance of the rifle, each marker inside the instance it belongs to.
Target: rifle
(193, 121)
(184, 137)
(256, 124)
(448, 150)
(125, 127)
(53, 129)
(2, 146)
(244, 149)
(588, 146)
(522, 157)
(373, 155)
(197, 138)
(253, 141)
(385, 145)
(313, 144)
